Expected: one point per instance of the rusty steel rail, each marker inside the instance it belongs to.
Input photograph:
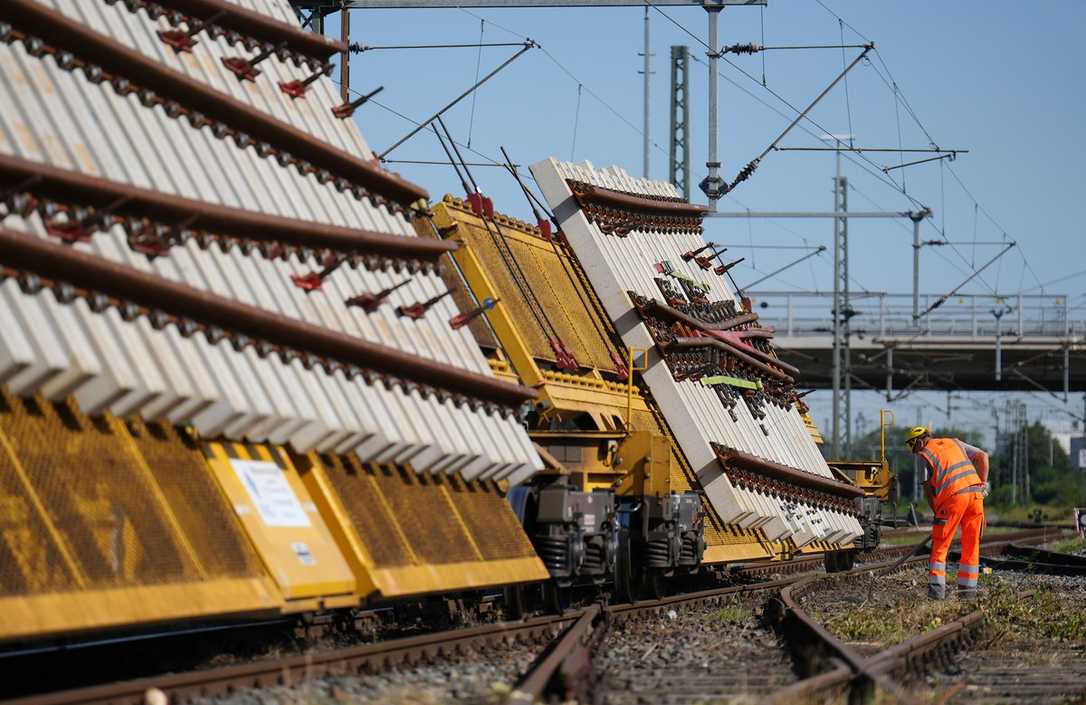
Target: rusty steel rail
(123, 200)
(565, 672)
(631, 201)
(567, 662)
(48, 31)
(777, 471)
(367, 658)
(82, 270)
(565, 666)
(1044, 556)
(231, 16)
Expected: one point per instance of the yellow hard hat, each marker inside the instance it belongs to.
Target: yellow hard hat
(914, 433)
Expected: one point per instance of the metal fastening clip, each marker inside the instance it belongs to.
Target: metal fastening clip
(183, 42)
(723, 269)
(462, 319)
(297, 89)
(73, 231)
(314, 280)
(416, 311)
(369, 302)
(563, 356)
(245, 69)
(687, 256)
(346, 110)
(706, 262)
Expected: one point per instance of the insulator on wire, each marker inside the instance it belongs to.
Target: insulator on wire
(742, 49)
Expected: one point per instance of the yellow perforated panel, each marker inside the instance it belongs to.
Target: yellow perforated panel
(178, 466)
(97, 496)
(106, 523)
(487, 516)
(425, 515)
(406, 533)
(552, 278)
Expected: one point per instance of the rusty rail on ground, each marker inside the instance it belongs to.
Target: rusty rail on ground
(367, 658)
(836, 667)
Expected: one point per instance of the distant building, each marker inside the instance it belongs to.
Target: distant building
(1078, 453)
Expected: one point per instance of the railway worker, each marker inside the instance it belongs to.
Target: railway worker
(956, 487)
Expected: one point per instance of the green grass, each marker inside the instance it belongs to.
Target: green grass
(1025, 512)
(1069, 545)
(1044, 615)
(893, 624)
(732, 614)
(918, 536)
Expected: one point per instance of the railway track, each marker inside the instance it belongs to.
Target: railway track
(566, 643)
(568, 670)
(971, 663)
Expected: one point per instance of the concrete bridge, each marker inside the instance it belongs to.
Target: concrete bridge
(970, 342)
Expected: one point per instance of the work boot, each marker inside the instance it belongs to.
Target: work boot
(937, 592)
(967, 594)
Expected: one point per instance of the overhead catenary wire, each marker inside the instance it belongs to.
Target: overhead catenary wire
(945, 297)
(576, 121)
(872, 168)
(357, 48)
(498, 240)
(564, 69)
(848, 102)
(900, 95)
(478, 66)
(528, 44)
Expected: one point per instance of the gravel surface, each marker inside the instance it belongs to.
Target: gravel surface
(693, 655)
(873, 612)
(1033, 650)
(477, 678)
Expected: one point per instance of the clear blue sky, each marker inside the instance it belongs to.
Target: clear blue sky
(1002, 79)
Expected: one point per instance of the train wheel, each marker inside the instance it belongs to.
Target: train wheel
(830, 561)
(652, 584)
(514, 602)
(555, 598)
(625, 586)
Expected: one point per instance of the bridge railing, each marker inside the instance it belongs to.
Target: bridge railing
(882, 315)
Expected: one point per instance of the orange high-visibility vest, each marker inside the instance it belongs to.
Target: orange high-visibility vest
(951, 470)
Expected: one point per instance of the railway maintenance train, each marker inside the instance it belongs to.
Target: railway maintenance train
(246, 371)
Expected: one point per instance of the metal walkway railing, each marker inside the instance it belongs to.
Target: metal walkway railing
(885, 315)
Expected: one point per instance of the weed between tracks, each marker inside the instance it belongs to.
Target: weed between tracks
(1069, 545)
(878, 610)
(1046, 615)
(890, 624)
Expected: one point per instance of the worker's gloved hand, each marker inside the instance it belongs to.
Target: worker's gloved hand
(985, 489)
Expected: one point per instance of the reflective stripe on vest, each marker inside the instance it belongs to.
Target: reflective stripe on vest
(951, 468)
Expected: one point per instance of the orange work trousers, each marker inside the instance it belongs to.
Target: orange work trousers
(966, 510)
